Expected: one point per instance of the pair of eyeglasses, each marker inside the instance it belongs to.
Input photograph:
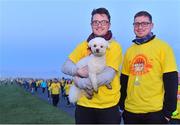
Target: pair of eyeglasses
(97, 22)
(143, 24)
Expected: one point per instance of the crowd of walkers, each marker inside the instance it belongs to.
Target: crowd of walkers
(52, 88)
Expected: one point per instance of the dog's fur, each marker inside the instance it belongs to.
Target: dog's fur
(96, 63)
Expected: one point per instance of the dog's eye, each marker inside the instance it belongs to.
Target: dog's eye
(94, 45)
(101, 46)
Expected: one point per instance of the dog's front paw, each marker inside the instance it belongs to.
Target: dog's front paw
(109, 86)
(96, 91)
(95, 88)
(89, 93)
(88, 97)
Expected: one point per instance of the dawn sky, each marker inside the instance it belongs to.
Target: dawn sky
(36, 36)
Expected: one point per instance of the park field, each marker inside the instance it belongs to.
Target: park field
(19, 107)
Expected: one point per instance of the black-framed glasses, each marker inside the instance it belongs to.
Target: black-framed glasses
(97, 22)
(143, 24)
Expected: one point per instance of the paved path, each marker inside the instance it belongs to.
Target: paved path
(70, 109)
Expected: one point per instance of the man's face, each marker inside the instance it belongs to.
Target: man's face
(100, 24)
(142, 26)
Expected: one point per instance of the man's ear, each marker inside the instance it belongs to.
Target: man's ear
(152, 25)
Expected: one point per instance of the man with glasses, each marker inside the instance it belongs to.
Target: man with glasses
(149, 77)
(102, 108)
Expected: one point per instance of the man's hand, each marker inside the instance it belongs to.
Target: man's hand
(82, 83)
(83, 72)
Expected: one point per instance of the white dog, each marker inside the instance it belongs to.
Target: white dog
(96, 63)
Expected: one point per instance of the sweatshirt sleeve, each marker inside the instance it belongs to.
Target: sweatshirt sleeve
(124, 81)
(106, 76)
(69, 68)
(170, 80)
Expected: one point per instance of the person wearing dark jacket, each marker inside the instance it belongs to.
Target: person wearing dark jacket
(149, 78)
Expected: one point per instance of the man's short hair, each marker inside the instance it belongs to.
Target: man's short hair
(143, 13)
(101, 11)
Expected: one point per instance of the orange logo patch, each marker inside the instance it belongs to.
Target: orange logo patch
(140, 65)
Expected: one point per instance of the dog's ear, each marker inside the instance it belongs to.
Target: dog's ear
(90, 43)
(107, 44)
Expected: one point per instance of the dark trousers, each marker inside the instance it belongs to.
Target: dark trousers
(144, 118)
(84, 115)
(43, 90)
(55, 99)
(175, 121)
(36, 88)
(67, 99)
(48, 92)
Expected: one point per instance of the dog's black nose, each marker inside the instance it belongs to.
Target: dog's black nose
(97, 50)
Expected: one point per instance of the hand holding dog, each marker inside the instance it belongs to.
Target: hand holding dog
(83, 72)
(85, 84)
(82, 83)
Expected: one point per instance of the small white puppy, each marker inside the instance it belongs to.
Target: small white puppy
(96, 63)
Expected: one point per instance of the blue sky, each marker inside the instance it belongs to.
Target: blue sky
(36, 36)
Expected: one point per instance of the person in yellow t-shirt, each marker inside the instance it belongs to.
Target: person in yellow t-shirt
(149, 78)
(67, 87)
(103, 107)
(55, 90)
(62, 84)
(48, 85)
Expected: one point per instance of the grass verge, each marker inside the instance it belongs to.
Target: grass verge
(19, 107)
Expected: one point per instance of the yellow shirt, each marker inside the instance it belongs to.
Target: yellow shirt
(38, 82)
(49, 84)
(55, 88)
(62, 82)
(67, 87)
(145, 65)
(105, 97)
